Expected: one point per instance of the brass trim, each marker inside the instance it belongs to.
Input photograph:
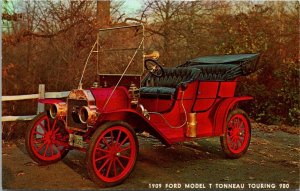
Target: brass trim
(154, 55)
(191, 130)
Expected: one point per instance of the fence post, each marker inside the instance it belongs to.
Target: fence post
(41, 106)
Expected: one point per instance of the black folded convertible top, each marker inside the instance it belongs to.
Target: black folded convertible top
(223, 59)
(224, 67)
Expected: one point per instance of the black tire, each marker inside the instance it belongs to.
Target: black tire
(232, 135)
(97, 173)
(44, 160)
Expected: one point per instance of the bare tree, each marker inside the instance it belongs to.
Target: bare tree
(180, 27)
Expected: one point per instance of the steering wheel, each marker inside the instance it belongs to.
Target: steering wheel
(153, 67)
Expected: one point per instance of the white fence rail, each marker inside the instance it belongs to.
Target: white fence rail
(42, 94)
(20, 97)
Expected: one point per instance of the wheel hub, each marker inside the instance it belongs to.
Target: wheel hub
(236, 132)
(49, 137)
(114, 151)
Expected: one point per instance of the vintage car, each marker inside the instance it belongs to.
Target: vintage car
(193, 100)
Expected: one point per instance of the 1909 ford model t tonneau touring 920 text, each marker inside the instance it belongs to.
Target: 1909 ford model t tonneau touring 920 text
(193, 100)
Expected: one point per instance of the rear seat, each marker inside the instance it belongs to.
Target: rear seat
(166, 85)
(217, 72)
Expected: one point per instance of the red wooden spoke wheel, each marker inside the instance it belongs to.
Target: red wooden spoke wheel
(237, 134)
(112, 153)
(46, 139)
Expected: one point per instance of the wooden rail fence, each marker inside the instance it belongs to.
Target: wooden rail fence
(40, 95)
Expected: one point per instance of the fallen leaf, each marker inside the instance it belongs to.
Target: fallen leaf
(284, 181)
(21, 173)
(295, 149)
(31, 164)
(294, 162)
(226, 178)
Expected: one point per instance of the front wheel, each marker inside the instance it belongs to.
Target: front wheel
(237, 134)
(46, 139)
(112, 153)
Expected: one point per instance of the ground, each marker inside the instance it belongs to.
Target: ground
(272, 159)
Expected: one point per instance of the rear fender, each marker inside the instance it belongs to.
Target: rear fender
(138, 122)
(222, 111)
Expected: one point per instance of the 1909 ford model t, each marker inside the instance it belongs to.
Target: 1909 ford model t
(193, 100)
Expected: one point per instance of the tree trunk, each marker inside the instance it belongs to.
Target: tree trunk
(103, 13)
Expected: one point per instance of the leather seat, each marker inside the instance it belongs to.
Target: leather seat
(166, 85)
(217, 72)
(157, 90)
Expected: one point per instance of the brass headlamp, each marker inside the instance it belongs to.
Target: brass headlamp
(88, 114)
(58, 110)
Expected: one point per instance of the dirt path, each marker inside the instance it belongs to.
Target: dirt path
(272, 159)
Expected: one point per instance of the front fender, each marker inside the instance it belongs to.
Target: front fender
(49, 101)
(136, 120)
(222, 111)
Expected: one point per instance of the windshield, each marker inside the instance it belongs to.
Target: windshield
(119, 52)
(119, 48)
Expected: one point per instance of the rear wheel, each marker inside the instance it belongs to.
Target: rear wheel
(237, 134)
(46, 139)
(112, 153)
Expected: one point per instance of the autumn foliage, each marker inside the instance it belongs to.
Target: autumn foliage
(52, 40)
